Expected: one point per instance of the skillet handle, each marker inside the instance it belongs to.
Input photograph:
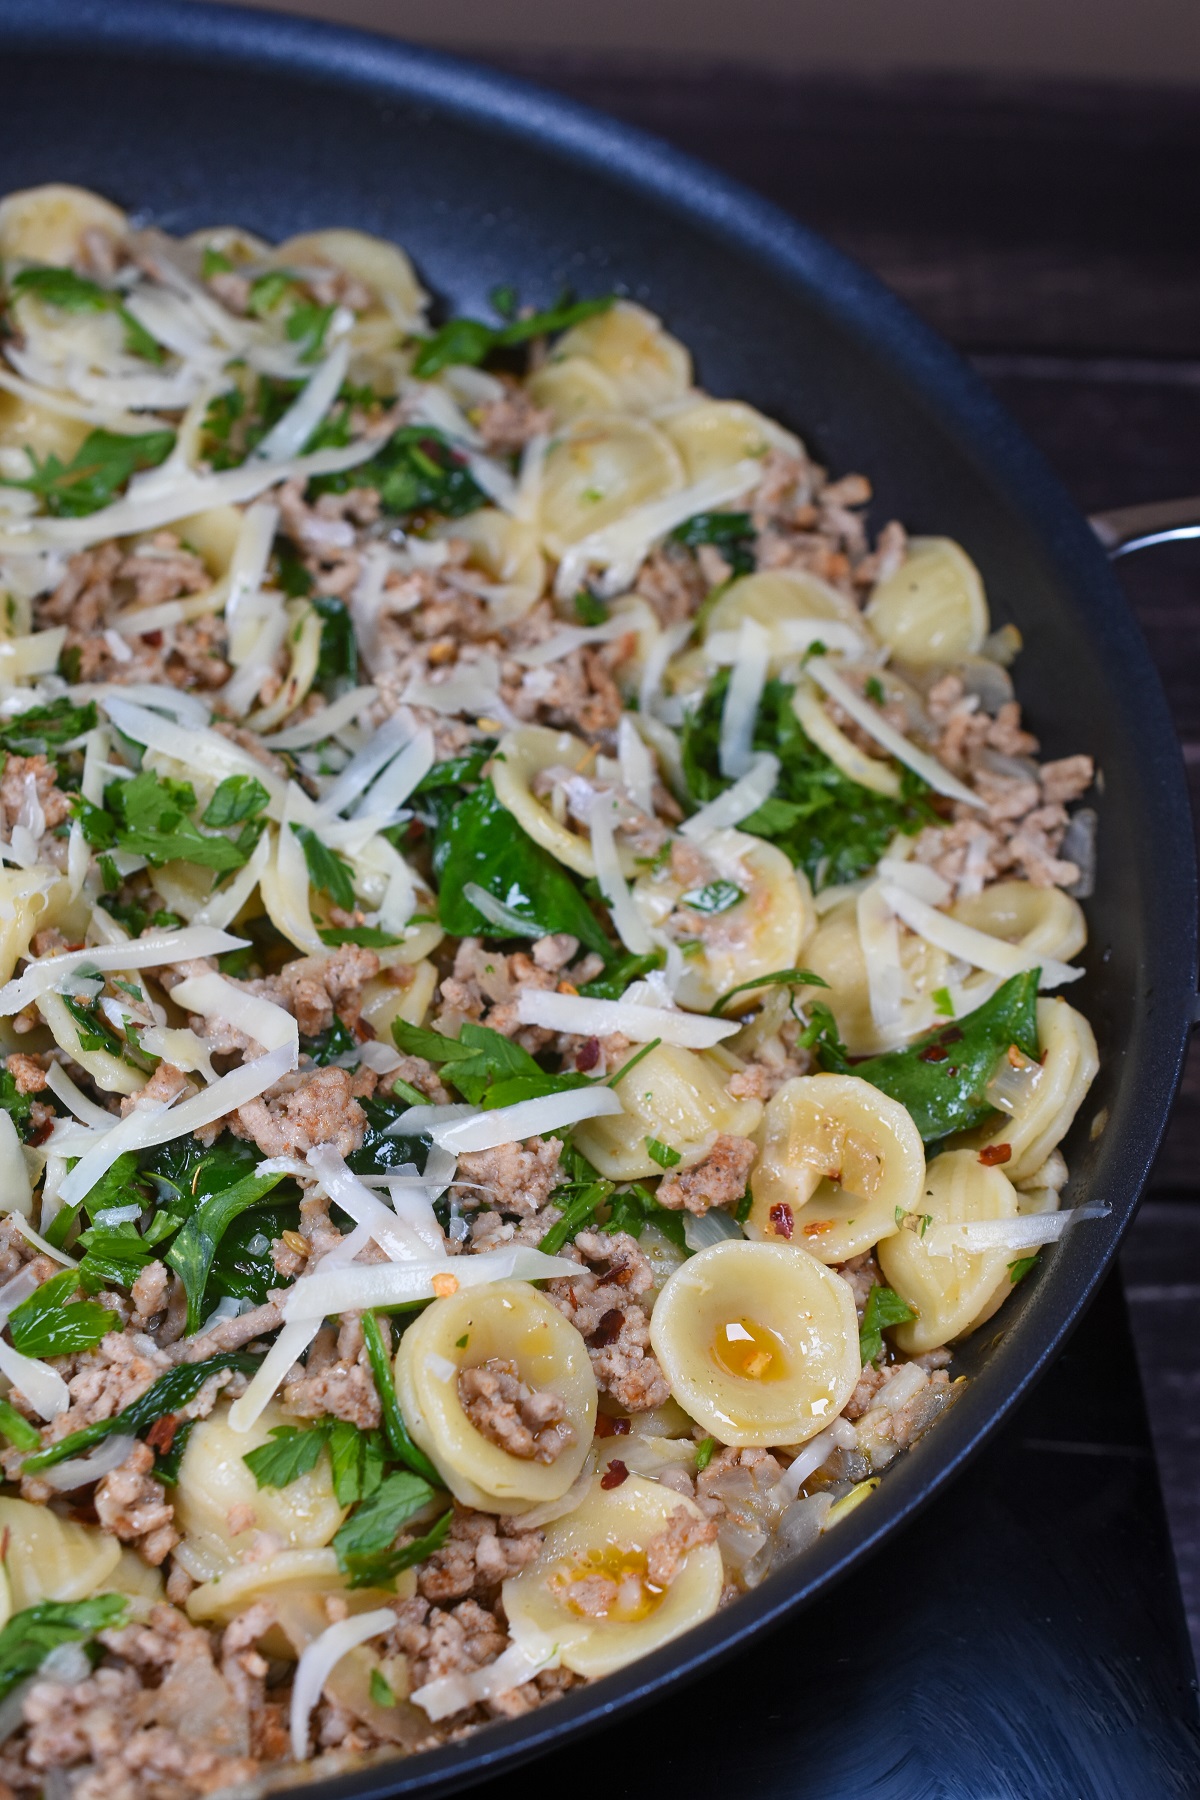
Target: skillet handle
(1128, 528)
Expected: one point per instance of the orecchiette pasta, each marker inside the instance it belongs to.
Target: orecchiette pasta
(758, 1341)
(592, 1594)
(513, 1335)
(679, 1098)
(601, 467)
(1040, 1100)
(933, 609)
(712, 435)
(646, 365)
(51, 1558)
(839, 1161)
(951, 1291)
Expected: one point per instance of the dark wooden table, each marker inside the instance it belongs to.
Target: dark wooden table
(1052, 233)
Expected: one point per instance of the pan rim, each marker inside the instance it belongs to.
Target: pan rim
(300, 49)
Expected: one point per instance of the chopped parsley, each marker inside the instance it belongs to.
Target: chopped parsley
(95, 474)
(471, 341)
(70, 292)
(732, 533)
(884, 1308)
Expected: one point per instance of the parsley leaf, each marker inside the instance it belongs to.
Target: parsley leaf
(29, 1636)
(363, 1544)
(1017, 1271)
(579, 1210)
(715, 897)
(337, 659)
(635, 1207)
(292, 1452)
(191, 1255)
(357, 1459)
(18, 1106)
(149, 815)
(487, 1068)
(238, 797)
(417, 470)
(380, 1690)
(662, 1154)
(777, 978)
(101, 466)
(40, 729)
(832, 827)
(336, 1040)
(328, 872)
(884, 1307)
(75, 293)
(471, 341)
(46, 1324)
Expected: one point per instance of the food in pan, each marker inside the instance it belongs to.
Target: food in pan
(535, 959)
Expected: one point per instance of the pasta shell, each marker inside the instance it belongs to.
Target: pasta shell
(676, 1097)
(1043, 1098)
(758, 1341)
(219, 1506)
(761, 932)
(30, 900)
(777, 596)
(48, 224)
(571, 387)
(27, 426)
(646, 365)
(508, 1321)
(596, 1630)
(715, 434)
(950, 1293)
(51, 1558)
(506, 550)
(839, 1159)
(108, 1071)
(382, 267)
(288, 1572)
(933, 609)
(835, 953)
(521, 756)
(602, 467)
(383, 1001)
(1044, 921)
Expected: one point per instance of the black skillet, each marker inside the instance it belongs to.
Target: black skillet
(195, 116)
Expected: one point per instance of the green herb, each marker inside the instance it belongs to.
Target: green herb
(47, 1325)
(943, 1002)
(328, 1045)
(480, 842)
(873, 689)
(470, 341)
(100, 467)
(620, 972)
(1017, 1271)
(93, 1032)
(116, 1254)
(387, 1564)
(70, 292)
(172, 1390)
(364, 1542)
(381, 1694)
(777, 978)
(29, 1637)
(415, 471)
(292, 1452)
(307, 324)
(832, 827)
(149, 815)
(238, 797)
(732, 533)
(40, 729)
(337, 659)
(394, 1428)
(191, 1255)
(17, 1105)
(328, 872)
(487, 1068)
(291, 574)
(19, 1432)
(884, 1307)
(382, 1148)
(589, 608)
(461, 1343)
(662, 1154)
(579, 1210)
(704, 1453)
(368, 937)
(942, 1077)
(357, 1460)
(267, 291)
(716, 897)
(635, 1207)
(214, 262)
(633, 1062)
(744, 1207)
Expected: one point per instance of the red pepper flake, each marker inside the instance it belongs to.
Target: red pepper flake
(614, 1475)
(933, 1053)
(783, 1220)
(817, 1227)
(588, 1054)
(951, 1035)
(153, 638)
(161, 1434)
(609, 1328)
(991, 1154)
(607, 1426)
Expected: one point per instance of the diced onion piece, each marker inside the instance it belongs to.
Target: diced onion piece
(449, 1694)
(739, 714)
(979, 948)
(146, 1125)
(328, 1291)
(155, 950)
(1026, 1232)
(737, 802)
(620, 549)
(213, 997)
(630, 926)
(414, 1237)
(894, 742)
(528, 1118)
(326, 723)
(841, 1435)
(289, 436)
(582, 1017)
(78, 1471)
(318, 1661)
